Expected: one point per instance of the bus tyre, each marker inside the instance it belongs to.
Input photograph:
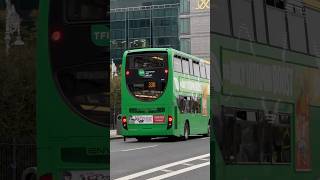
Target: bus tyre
(186, 131)
(29, 173)
(31, 177)
(208, 131)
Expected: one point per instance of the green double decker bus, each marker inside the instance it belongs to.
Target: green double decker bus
(72, 90)
(265, 107)
(164, 93)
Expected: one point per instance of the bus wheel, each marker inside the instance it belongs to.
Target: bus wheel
(32, 177)
(186, 132)
(208, 132)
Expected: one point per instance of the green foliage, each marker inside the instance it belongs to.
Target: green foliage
(17, 84)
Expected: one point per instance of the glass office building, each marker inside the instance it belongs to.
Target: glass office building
(139, 24)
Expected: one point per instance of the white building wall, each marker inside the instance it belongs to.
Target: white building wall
(199, 28)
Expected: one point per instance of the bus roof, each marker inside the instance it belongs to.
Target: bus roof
(176, 52)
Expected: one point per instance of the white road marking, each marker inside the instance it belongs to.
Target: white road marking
(149, 171)
(133, 149)
(205, 138)
(204, 159)
(187, 164)
(180, 171)
(166, 170)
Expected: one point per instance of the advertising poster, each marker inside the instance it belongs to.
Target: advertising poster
(205, 100)
(309, 94)
(245, 75)
(303, 151)
(86, 175)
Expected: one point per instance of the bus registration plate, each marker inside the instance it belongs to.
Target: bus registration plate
(86, 175)
(143, 119)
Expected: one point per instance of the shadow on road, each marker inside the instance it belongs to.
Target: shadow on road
(163, 139)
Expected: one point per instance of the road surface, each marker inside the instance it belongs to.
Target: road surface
(161, 158)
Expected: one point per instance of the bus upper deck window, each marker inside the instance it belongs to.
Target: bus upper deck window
(147, 74)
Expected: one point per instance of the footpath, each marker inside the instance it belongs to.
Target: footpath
(114, 134)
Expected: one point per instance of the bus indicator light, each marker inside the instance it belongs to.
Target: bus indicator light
(127, 72)
(124, 122)
(46, 177)
(170, 120)
(56, 36)
(166, 71)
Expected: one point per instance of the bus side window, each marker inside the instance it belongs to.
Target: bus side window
(202, 71)
(183, 104)
(196, 69)
(180, 102)
(193, 105)
(196, 105)
(185, 66)
(177, 64)
(199, 109)
(189, 104)
(208, 70)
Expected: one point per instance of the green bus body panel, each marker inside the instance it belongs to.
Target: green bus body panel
(198, 122)
(239, 96)
(58, 127)
(100, 35)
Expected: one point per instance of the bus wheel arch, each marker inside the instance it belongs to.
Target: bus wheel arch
(29, 174)
(186, 130)
(208, 129)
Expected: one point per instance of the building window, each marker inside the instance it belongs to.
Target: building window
(117, 16)
(185, 45)
(142, 14)
(139, 23)
(117, 34)
(167, 12)
(184, 6)
(117, 25)
(184, 26)
(276, 3)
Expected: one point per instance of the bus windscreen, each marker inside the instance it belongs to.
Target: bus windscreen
(86, 10)
(147, 74)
